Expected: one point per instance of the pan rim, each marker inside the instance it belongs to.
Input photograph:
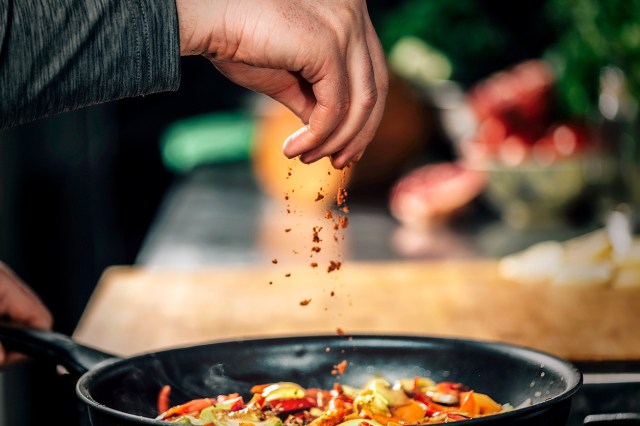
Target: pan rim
(573, 377)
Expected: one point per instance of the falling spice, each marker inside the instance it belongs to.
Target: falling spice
(314, 264)
(333, 293)
(340, 368)
(341, 197)
(316, 249)
(287, 275)
(287, 230)
(344, 209)
(305, 302)
(316, 234)
(274, 261)
(343, 221)
(333, 266)
(327, 349)
(328, 214)
(340, 331)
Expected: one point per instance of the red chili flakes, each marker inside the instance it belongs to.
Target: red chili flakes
(319, 197)
(305, 302)
(328, 214)
(316, 234)
(315, 249)
(341, 197)
(270, 282)
(343, 221)
(333, 265)
(286, 197)
(340, 331)
(287, 230)
(336, 227)
(274, 261)
(333, 293)
(340, 368)
(287, 275)
(314, 264)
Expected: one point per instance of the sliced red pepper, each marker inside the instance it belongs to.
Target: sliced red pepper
(234, 399)
(163, 399)
(193, 406)
(293, 404)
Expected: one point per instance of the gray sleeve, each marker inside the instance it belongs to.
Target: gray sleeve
(59, 55)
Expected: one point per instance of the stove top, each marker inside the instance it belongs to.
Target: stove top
(610, 394)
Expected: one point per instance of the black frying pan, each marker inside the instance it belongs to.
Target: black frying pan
(123, 391)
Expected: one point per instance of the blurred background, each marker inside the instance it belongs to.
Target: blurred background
(507, 123)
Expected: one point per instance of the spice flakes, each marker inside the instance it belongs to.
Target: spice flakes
(339, 368)
(333, 266)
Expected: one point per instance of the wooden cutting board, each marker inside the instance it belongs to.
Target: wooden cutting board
(135, 309)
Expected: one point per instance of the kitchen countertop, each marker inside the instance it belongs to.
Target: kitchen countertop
(167, 307)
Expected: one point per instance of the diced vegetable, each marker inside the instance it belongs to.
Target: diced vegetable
(409, 401)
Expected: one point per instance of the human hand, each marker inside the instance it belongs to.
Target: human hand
(20, 305)
(322, 59)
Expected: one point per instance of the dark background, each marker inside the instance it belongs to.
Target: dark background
(79, 191)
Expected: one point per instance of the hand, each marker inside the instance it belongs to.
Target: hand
(20, 305)
(322, 59)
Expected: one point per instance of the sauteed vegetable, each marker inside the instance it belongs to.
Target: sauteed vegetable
(415, 401)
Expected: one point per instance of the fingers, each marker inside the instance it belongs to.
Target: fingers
(356, 148)
(19, 303)
(363, 95)
(331, 92)
(284, 86)
(350, 99)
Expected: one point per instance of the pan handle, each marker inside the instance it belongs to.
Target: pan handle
(52, 346)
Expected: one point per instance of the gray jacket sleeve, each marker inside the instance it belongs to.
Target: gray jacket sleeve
(59, 55)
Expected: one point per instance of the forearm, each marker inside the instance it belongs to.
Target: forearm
(59, 55)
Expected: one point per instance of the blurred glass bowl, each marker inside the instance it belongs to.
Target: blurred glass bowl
(532, 195)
